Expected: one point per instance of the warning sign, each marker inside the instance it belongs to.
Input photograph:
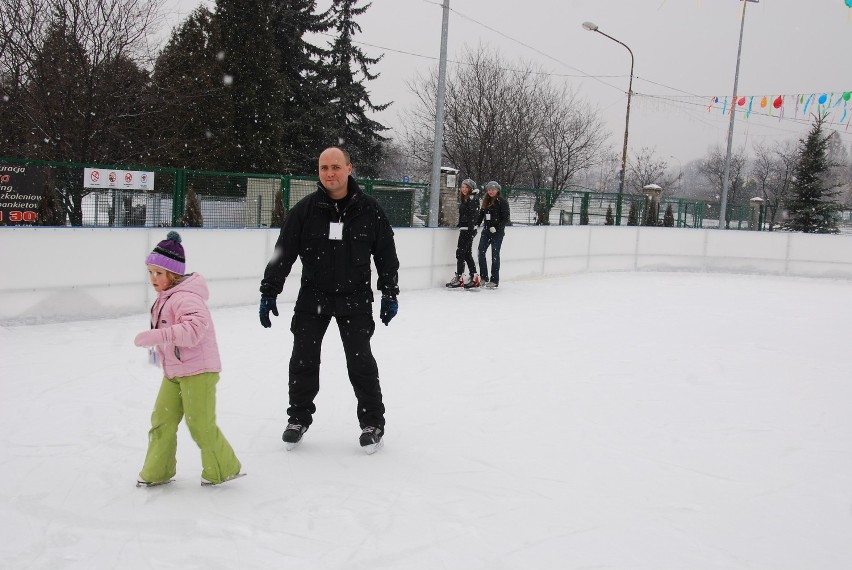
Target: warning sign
(118, 179)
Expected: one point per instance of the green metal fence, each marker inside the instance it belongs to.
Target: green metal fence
(240, 200)
(224, 199)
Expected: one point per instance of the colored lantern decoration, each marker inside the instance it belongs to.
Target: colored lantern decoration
(822, 99)
(763, 102)
(848, 94)
(849, 3)
(780, 100)
(741, 101)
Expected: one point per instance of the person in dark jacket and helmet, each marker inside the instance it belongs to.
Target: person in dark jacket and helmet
(468, 211)
(334, 232)
(494, 214)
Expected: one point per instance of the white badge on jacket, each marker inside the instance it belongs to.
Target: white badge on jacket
(335, 230)
(488, 217)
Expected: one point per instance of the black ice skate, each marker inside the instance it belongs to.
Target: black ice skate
(293, 435)
(455, 282)
(371, 439)
(474, 282)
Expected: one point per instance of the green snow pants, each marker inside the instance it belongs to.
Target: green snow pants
(195, 398)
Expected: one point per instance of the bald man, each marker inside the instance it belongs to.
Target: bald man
(334, 232)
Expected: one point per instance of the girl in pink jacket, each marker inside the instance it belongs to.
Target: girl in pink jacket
(185, 341)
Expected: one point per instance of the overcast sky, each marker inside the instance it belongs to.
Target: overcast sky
(685, 53)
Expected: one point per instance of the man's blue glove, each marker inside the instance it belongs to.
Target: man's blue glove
(267, 304)
(389, 308)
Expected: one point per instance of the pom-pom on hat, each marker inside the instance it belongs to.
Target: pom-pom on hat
(169, 254)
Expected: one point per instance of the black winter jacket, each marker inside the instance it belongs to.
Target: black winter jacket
(336, 274)
(499, 215)
(468, 210)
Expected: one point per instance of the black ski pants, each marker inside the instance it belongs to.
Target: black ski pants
(355, 331)
(464, 251)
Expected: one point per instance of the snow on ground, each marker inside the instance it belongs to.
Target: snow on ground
(644, 421)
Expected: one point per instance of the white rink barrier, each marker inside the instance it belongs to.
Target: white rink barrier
(55, 274)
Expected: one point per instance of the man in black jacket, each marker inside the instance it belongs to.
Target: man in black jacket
(334, 232)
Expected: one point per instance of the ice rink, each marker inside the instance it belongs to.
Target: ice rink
(642, 421)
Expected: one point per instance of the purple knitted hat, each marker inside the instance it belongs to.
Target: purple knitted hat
(169, 254)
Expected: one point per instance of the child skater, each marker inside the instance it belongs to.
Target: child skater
(468, 211)
(182, 333)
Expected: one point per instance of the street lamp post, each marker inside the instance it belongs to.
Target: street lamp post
(723, 206)
(592, 27)
(680, 171)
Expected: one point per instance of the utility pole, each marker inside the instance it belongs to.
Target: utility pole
(435, 188)
(723, 207)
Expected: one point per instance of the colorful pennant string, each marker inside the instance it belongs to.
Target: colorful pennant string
(829, 103)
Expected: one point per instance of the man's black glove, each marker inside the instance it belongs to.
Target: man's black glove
(389, 308)
(267, 304)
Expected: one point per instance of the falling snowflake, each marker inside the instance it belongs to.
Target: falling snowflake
(228, 79)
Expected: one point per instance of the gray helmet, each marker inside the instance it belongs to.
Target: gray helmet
(492, 184)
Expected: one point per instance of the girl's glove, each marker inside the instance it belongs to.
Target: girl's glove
(492, 229)
(152, 337)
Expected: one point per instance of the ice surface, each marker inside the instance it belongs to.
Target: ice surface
(642, 421)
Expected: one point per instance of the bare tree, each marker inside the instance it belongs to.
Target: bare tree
(71, 83)
(491, 117)
(399, 163)
(569, 140)
(648, 168)
(506, 122)
(773, 173)
(713, 168)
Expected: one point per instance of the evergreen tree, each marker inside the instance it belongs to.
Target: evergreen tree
(195, 114)
(610, 218)
(812, 206)
(633, 216)
(350, 126)
(251, 63)
(278, 212)
(304, 98)
(192, 217)
(651, 214)
(76, 90)
(668, 218)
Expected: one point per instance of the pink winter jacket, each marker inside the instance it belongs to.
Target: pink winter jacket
(183, 330)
